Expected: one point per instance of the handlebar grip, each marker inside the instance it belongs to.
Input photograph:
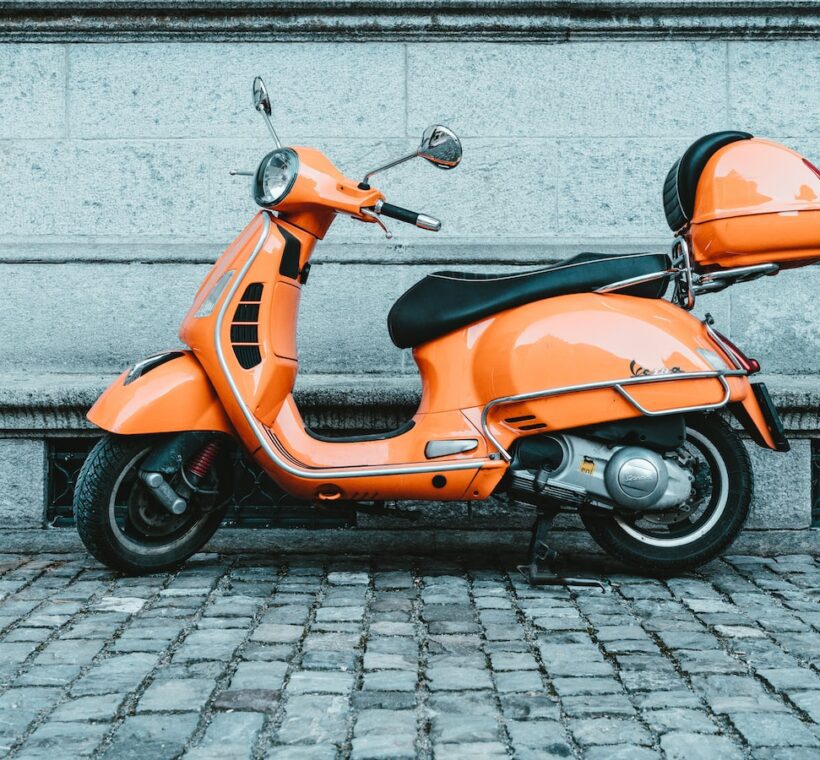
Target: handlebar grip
(399, 213)
(410, 217)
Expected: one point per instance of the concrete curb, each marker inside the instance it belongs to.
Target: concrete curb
(55, 401)
(438, 542)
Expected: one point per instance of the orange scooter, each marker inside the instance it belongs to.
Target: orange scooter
(575, 387)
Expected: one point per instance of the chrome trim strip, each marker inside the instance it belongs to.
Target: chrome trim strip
(323, 474)
(616, 384)
(635, 281)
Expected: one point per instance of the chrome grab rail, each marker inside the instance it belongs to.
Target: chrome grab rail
(617, 386)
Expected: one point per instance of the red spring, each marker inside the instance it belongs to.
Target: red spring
(200, 465)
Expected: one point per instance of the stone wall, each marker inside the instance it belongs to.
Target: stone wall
(117, 132)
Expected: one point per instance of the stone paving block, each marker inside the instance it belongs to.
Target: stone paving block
(142, 736)
(231, 735)
(592, 731)
(383, 747)
(255, 700)
(621, 752)
(687, 746)
(457, 728)
(470, 750)
(259, 675)
(209, 645)
(390, 680)
(116, 674)
(766, 730)
(808, 702)
(53, 739)
(567, 687)
(277, 634)
(518, 681)
(791, 679)
(320, 682)
(679, 719)
(176, 695)
(314, 719)
(599, 704)
(316, 752)
(102, 707)
(448, 678)
(550, 736)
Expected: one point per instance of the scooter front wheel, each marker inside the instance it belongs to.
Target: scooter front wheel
(120, 521)
(696, 532)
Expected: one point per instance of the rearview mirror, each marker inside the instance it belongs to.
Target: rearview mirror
(440, 146)
(261, 99)
(261, 102)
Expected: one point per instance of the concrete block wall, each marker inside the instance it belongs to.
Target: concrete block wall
(114, 160)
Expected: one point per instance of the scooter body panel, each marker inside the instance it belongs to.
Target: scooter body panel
(551, 344)
(173, 397)
(570, 341)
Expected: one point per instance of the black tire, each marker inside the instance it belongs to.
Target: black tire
(728, 461)
(107, 472)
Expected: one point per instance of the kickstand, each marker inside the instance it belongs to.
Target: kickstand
(538, 572)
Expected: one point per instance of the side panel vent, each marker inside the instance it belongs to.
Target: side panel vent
(245, 327)
(525, 422)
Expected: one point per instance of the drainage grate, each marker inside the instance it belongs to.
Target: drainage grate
(815, 482)
(257, 502)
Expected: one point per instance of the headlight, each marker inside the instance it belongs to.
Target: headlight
(275, 176)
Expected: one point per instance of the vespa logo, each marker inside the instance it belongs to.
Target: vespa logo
(638, 371)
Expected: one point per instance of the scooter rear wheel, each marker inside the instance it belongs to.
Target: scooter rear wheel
(121, 523)
(683, 538)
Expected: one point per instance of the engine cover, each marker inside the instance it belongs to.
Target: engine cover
(636, 477)
(592, 471)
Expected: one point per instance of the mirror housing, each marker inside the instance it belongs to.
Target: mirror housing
(440, 146)
(261, 99)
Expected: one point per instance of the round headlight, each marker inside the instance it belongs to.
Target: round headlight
(275, 176)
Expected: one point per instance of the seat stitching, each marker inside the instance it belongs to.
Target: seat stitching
(545, 269)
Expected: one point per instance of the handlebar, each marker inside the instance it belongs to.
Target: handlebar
(400, 214)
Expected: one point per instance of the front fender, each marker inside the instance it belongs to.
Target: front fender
(171, 397)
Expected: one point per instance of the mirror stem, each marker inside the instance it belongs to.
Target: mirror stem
(398, 161)
(271, 129)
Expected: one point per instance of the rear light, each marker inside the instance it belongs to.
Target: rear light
(750, 365)
(812, 167)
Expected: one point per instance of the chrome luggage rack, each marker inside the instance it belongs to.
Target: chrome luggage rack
(618, 386)
(688, 283)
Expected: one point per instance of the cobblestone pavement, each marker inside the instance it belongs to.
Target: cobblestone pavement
(242, 656)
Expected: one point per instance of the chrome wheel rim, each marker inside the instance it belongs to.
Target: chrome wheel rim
(702, 517)
(126, 530)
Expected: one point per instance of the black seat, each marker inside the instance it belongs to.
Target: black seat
(444, 301)
(682, 180)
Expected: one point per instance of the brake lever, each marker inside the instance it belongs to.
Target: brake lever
(376, 218)
(237, 173)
